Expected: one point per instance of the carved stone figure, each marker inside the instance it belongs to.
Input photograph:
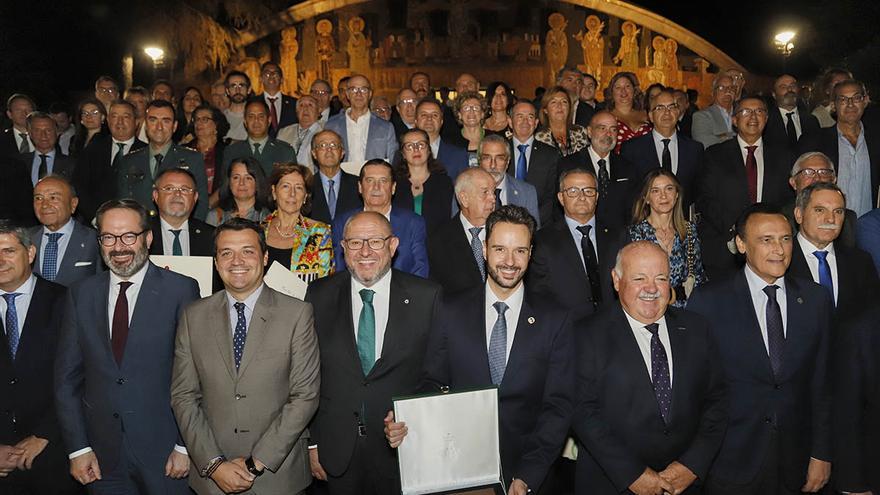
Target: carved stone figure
(628, 54)
(556, 43)
(670, 62)
(289, 50)
(358, 46)
(325, 46)
(657, 70)
(593, 46)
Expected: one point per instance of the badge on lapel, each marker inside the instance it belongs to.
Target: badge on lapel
(800, 300)
(531, 320)
(406, 301)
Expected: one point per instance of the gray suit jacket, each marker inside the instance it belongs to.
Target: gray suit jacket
(81, 258)
(381, 140)
(263, 408)
(709, 127)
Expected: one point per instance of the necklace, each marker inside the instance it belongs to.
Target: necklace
(282, 234)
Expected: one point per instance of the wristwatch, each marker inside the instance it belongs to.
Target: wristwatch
(212, 466)
(252, 468)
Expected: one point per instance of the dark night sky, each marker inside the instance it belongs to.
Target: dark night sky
(54, 49)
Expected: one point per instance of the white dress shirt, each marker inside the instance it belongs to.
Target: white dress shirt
(808, 248)
(795, 118)
(514, 306)
(168, 238)
(435, 146)
(66, 231)
(126, 149)
(17, 135)
(357, 133)
(673, 148)
(594, 158)
(250, 303)
(276, 104)
(22, 303)
(760, 299)
(35, 165)
(759, 159)
(643, 339)
(381, 302)
(64, 139)
(577, 236)
(467, 226)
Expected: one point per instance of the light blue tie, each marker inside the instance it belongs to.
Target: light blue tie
(238, 338)
(50, 257)
(498, 344)
(11, 323)
(477, 248)
(825, 272)
(331, 199)
(366, 336)
(521, 162)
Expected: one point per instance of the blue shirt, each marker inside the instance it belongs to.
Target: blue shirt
(66, 231)
(577, 236)
(854, 172)
(35, 165)
(249, 304)
(325, 183)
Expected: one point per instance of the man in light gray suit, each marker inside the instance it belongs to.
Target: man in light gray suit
(67, 251)
(246, 376)
(713, 125)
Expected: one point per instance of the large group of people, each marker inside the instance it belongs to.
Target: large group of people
(683, 294)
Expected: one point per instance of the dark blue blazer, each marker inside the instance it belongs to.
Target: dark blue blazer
(411, 256)
(453, 158)
(101, 404)
(642, 153)
(535, 395)
(81, 259)
(797, 404)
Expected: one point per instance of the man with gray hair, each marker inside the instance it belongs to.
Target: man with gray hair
(45, 159)
(713, 125)
(299, 135)
(494, 156)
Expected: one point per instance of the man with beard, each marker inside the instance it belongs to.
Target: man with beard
(789, 120)
(238, 89)
(420, 83)
(616, 177)
(113, 370)
(500, 334)
(174, 232)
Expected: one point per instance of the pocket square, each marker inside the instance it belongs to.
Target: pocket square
(82, 263)
(624, 179)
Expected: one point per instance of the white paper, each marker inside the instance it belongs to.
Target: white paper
(285, 281)
(197, 267)
(452, 441)
(351, 168)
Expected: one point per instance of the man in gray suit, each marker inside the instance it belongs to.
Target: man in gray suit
(713, 124)
(113, 368)
(494, 156)
(266, 149)
(246, 376)
(67, 251)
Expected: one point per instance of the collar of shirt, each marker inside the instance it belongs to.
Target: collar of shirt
(168, 237)
(127, 143)
(467, 225)
(808, 247)
(261, 142)
(66, 229)
(576, 234)
(277, 96)
(250, 302)
(435, 147)
(785, 113)
(381, 304)
(658, 139)
(162, 151)
(381, 285)
(22, 302)
(50, 154)
(742, 144)
(859, 142)
(594, 158)
(514, 306)
(643, 339)
(530, 141)
(760, 299)
(360, 121)
(137, 280)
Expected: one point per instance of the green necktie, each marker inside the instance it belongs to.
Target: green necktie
(257, 153)
(176, 248)
(366, 337)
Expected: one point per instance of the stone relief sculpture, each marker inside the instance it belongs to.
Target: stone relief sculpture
(325, 47)
(657, 68)
(556, 43)
(358, 46)
(670, 62)
(289, 50)
(628, 53)
(593, 46)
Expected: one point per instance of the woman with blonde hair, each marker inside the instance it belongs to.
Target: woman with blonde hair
(557, 130)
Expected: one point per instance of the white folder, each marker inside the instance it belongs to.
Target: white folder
(197, 267)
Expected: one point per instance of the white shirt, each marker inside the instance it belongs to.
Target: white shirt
(467, 226)
(435, 146)
(357, 135)
(759, 302)
(643, 339)
(236, 125)
(325, 114)
(64, 139)
(577, 236)
(276, 104)
(17, 135)
(168, 237)
(250, 303)
(673, 148)
(759, 159)
(131, 294)
(516, 143)
(126, 149)
(795, 118)
(808, 248)
(514, 306)
(66, 231)
(594, 158)
(22, 303)
(381, 301)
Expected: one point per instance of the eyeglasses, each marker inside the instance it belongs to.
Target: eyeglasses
(494, 158)
(238, 85)
(748, 112)
(93, 113)
(821, 172)
(128, 238)
(271, 73)
(407, 101)
(472, 108)
(849, 100)
(374, 244)
(186, 191)
(107, 90)
(328, 146)
(415, 146)
(573, 192)
(319, 92)
(665, 108)
(202, 120)
(358, 90)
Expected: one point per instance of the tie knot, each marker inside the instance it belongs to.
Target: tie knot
(23, 135)
(789, 114)
(123, 286)
(271, 99)
(158, 157)
(751, 149)
(367, 295)
(330, 182)
(584, 229)
(54, 236)
(601, 163)
(653, 328)
(176, 232)
(770, 290)
(239, 307)
(256, 147)
(475, 231)
(10, 297)
(121, 146)
(820, 254)
(522, 147)
(500, 307)
(665, 142)
(43, 156)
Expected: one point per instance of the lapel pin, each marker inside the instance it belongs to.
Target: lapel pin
(800, 301)
(406, 301)
(198, 231)
(531, 320)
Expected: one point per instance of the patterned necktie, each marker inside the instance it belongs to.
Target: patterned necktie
(157, 163)
(176, 248)
(477, 249)
(790, 130)
(120, 323)
(44, 166)
(273, 113)
(825, 272)
(331, 198)
(238, 338)
(50, 257)
(498, 204)
(775, 333)
(366, 336)
(666, 163)
(498, 344)
(604, 179)
(521, 168)
(11, 323)
(24, 147)
(120, 152)
(590, 263)
(257, 153)
(752, 173)
(660, 372)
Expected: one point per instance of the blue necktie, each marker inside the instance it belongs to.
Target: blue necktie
(50, 257)
(521, 162)
(11, 323)
(498, 344)
(477, 248)
(660, 372)
(366, 336)
(825, 272)
(176, 248)
(240, 334)
(331, 199)
(775, 332)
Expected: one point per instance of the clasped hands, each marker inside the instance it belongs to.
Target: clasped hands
(673, 480)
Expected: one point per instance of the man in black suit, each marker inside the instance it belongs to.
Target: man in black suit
(429, 118)
(633, 437)
(404, 116)
(847, 273)
(175, 233)
(789, 121)
(15, 193)
(737, 173)
(773, 334)
(529, 354)
(573, 80)
(686, 112)
(572, 258)
(67, 250)
(45, 159)
(14, 141)
(665, 147)
(282, 108)
(95, 174)
(616, 176)
(32, 457)
(455, 248)
(390, 313)
(533, 161)
(334, 191)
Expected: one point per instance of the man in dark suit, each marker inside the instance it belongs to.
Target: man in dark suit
(334, 191)
(455, 248)
(587, 105)
(46, 158)
(15, 192)
(573, 80)
(667, 148)
(572, 258)
(737, 173)
(429, 118)
(282, 108)
(390, 313)
(95, 174)
(259, 144)
(67, 251)
(14, 141)
(789, 121)
(847, 273)
(32, 457)
(529, 355)
(686, 112)
(137, 170)
(175, 233)
(616, 176)
(533, 161)
(404, 116)
(856, 158)
(773, 334)
(113, 394)
(376, 185)
(645, 435)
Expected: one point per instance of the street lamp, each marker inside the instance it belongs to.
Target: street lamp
(784, 42)
(157, 55)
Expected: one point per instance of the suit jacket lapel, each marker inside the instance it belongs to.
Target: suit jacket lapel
(526, 329)
(75, 246)
(398, 316)
(631, 357)
(256, 331)
(570, 251)
(752, 334)
(223, 332)
(681, 360)
(346, 327)
(102, 315)
(795, 327)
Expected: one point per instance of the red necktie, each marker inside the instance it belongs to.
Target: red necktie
(752, 173)
(120, 323)
(273, 114)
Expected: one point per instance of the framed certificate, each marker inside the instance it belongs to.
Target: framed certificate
(452, 442)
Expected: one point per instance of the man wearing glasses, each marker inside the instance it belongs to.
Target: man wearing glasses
(334, 191)
(106, 90)
(113, 369)
(494, 155)
(713, 125)
(174, 232)
(238, 89)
